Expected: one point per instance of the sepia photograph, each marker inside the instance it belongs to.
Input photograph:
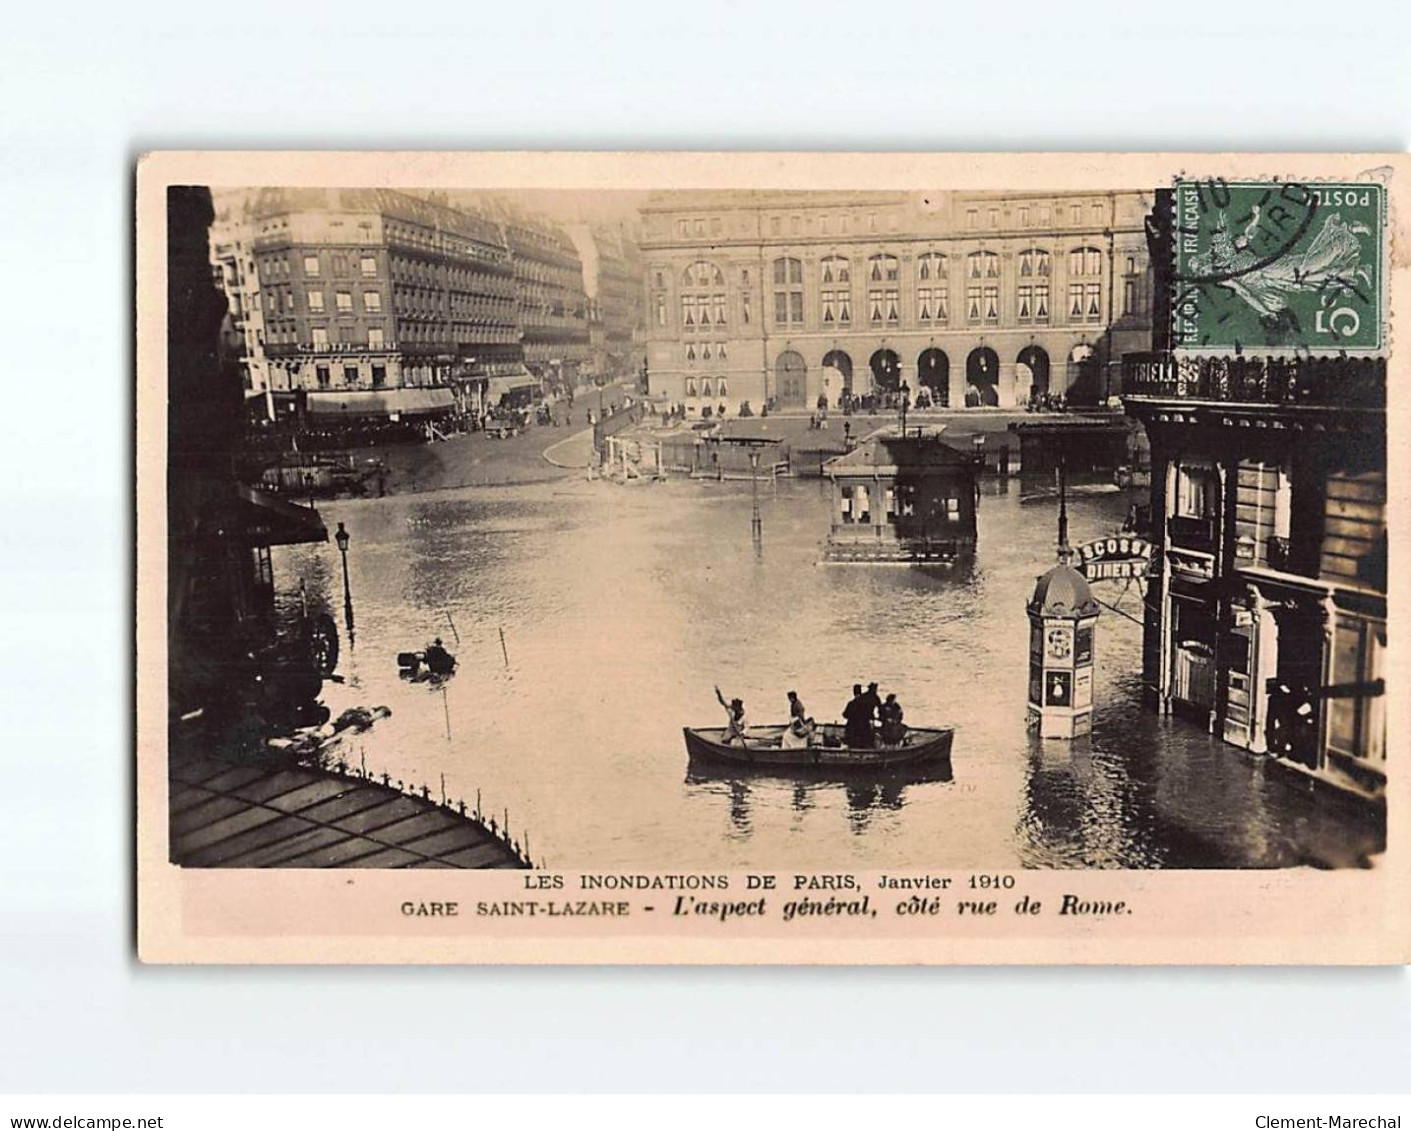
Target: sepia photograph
(666, 534)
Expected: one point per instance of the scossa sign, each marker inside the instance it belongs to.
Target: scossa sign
(1115, 558)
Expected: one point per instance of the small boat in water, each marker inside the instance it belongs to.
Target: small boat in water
(433, 663)
(764, 747)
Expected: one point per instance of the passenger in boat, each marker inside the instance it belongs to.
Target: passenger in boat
(857, 731)
(799, 732)
(874, 704)
(893, 730)
(735, 722)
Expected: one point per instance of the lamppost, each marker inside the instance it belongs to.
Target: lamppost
(341, 537)
(756, 528)
(905, 403)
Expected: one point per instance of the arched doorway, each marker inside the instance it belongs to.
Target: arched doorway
(982, 377)
(1082, 375)
(791, 380)
(933, 375)
(886, 371)
(1031, 372)
(837, 375)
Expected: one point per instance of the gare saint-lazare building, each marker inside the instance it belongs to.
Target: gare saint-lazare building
(981, 299)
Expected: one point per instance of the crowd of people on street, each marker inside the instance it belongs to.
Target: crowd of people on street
(869, 721)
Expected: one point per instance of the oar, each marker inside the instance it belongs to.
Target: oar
(454, 633)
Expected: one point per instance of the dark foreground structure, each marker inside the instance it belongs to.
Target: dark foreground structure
(225, 816)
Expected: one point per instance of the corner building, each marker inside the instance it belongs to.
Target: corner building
(368, 289)
(983, 299)
(1266, 608)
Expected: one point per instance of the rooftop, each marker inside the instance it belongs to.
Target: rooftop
(890, 454)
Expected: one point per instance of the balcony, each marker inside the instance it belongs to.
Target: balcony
(1335, 382)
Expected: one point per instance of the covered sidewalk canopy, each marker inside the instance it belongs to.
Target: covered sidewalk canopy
(381, 402)
(267, 521)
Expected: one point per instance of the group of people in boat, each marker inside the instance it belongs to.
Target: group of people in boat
(869, 721)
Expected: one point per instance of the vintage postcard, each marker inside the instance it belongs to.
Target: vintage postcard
(764, 558)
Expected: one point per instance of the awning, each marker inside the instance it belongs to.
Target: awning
(387, 402)
(267, 521)
(499, 386)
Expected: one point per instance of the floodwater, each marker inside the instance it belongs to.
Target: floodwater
(621, 607)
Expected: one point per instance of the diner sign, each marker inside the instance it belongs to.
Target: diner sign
(1114, 559)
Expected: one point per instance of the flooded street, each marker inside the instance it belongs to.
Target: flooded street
(621, 608)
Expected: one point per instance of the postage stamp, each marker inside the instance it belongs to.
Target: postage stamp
(1279, 265)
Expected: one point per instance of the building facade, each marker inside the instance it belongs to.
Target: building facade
(1266, 609)
(370, 289)
(980, 298)
(617, 306)
(551, 300)
(233, 261)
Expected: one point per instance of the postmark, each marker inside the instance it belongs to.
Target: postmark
(1278, 266)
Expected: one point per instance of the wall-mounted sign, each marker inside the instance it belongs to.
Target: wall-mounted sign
(1115, 558)
(1058, 689)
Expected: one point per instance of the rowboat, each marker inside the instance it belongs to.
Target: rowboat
(763, 748)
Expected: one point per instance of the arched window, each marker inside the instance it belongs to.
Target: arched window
(1031, 296)
(835, 293)
(982, 265)
(1085, 261)
(1085, 285)
(883, 269)
(788, 292)
(982, 288)
(702, 296)
(933, 289)
(883, 296)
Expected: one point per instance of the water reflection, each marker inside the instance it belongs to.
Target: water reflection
(863, 794)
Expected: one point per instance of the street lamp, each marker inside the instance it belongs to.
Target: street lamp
(342, 538)
(756, 528)
(905, 403)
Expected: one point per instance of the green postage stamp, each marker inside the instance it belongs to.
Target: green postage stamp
(1278, 265)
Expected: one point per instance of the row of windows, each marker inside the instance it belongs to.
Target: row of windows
(316, 300)
(375, 337)
(708, 351)
(277, 267)
(982, 306)
(836, 269)
(707, 387)
(898, 501)
(1023, 215)
(451, 278)
(351, 376)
